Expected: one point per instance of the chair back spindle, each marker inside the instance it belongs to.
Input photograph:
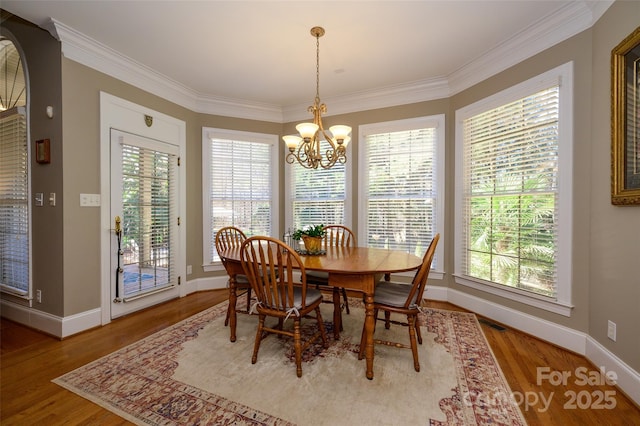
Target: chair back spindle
(227, 238)
(338, 236)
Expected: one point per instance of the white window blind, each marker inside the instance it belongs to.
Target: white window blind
(510, 193)
(317, 196)
(149, 217)
(14, 202)
(240, 183)
(401, 191)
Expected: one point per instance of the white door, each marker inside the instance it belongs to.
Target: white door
(144, 206)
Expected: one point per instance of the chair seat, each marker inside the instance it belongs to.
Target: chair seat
(313, 296)
(391, 294)
(242, 281)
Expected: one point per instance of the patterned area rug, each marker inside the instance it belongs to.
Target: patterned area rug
(191, 374)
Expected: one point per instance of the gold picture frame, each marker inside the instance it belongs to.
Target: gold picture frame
(625, 121)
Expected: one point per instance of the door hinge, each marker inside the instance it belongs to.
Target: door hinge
(179, 280)
(178, 220)
(178, 161)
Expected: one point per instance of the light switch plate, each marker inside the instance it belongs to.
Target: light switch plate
(89, 200)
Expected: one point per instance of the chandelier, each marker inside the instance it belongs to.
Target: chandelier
(306, 148)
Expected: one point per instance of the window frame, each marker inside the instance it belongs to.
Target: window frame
(22, 107)
(563, 77)
(348, 187)
(434, 121)
(209, 133)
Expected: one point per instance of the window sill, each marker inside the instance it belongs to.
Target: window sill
(517, 295)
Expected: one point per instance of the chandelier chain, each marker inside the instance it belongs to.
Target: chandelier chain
(318, 68)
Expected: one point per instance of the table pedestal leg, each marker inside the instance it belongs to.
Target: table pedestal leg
(369, 323)
(232, 308)
(337, 313)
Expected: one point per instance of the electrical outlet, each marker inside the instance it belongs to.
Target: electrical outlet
(189, 269)
(39, 296)
(611, 330)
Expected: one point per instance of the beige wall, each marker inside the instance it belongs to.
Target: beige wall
(606, 239)
(613, 266)
(81, 174)
(81, 96)
(42, 55)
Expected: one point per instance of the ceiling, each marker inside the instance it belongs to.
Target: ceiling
(260, 55)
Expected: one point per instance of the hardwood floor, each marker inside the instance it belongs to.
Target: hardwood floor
(30, 360)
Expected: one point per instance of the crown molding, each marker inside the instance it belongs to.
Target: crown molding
(400, 94)
(91, 53)
(87, 51)
(238, 108)
(564, 23)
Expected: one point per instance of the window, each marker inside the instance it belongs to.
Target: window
(240, 185)
(317, 196)
(513, 163)
(402, 185)
(15, 218)
(148, 220)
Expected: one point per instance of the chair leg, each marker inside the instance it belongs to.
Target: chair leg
(226, 319)
(361, 351)
(297, 345)
(280, 327)
(387, 320)
(337, 313)
(323, 331)
(418, 332)
(256, 345)
(346, 301)
(249, 300)
(411, 319)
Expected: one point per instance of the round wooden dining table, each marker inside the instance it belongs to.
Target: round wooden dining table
(355, 268)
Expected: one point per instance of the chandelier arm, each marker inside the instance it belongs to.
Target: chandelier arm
(305, 152)
(301, 158)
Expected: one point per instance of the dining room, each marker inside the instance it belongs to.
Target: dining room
(531, 239)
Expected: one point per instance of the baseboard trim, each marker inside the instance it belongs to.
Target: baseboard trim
(564, 337)
(52, 325)
(62, 327)
(83, 321)
(560, 335)
(207, 283)
(628, 379)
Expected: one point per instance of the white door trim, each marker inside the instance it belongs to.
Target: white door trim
(123, 115)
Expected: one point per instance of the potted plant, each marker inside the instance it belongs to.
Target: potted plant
(312, 236)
